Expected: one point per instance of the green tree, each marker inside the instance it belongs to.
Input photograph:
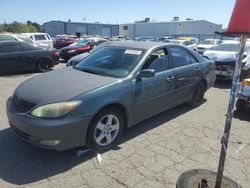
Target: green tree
(17, 27)
(37, 26)
(32, 29)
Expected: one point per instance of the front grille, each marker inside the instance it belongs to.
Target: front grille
(221, 68)
(22, 105)
(200, 48)
(228, 63)
(20, 133)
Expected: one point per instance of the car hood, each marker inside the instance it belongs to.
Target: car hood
(59, 85)
(206, 46)
(221, 56)
(74, 47)
(79, 57)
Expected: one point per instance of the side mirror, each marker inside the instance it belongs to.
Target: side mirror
(146, 73)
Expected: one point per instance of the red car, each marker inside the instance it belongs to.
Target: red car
(63, 41)
(81, 46)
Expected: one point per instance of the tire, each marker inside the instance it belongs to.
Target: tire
(105, 129)
(198, 95)
(44, 65)
(240, 105)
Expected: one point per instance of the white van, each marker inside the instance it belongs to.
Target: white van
(43, 38)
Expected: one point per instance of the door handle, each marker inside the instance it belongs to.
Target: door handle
(197, 69)
(170, 78)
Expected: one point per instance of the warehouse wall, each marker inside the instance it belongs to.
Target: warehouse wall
(197, 27)
(127, 30)
(54, 28)
(159, 29)
(154, 29)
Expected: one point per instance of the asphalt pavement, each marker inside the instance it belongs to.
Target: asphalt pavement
(151, 154)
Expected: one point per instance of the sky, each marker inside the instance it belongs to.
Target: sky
(113, 12)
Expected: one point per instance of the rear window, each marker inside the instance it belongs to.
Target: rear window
(40, 37)
(6, 37)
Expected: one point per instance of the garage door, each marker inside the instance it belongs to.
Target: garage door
(81, 29)
(106, 32)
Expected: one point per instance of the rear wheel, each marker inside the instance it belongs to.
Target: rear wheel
(44, 65)
(105, 129)
(198, 95)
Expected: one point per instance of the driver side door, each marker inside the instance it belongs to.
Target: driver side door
(153, 95)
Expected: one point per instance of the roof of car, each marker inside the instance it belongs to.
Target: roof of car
(11, 42)
(135, 44)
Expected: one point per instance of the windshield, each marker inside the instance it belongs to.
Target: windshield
(26, 39)
(111, 61)
(84, 42)
(230, 47)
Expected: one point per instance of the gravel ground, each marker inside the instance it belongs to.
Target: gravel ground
(151, 154)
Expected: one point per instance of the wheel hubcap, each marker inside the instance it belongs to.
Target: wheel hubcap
(107, 130)
(45, 66)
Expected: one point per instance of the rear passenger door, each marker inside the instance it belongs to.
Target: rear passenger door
(11, 57)
(153, 95)
(187, 72)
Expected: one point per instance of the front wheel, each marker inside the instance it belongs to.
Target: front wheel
(105, 129)
(198, 95)
(44, 65)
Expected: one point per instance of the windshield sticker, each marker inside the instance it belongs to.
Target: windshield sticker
(134, 52)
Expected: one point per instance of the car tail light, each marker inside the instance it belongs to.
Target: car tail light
(55, 53)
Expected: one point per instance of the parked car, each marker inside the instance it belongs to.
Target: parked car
(64, 40)
(245, 72)
(73, 61)
(115, 87)
(23, 38)
(81, 46)
(189, 44)
(194, 40)
(225, 55)
(19, 56)
(43, 38)
(207, 44)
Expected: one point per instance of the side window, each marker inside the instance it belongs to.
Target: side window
(158, 60)
(48, 37)
(10, 48)
(40, 37)
(181, 57)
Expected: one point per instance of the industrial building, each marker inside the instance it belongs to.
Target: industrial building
(145, 28)
(54, 28)
(197, 28)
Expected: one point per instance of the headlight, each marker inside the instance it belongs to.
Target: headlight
(71, 51)
(55, 109)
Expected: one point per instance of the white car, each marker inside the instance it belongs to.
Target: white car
(22, 38)
(43, 38)
(206, 45)
(225, 55)
(187, 43)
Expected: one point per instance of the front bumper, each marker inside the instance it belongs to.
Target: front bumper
(70, 130)
(224, 72)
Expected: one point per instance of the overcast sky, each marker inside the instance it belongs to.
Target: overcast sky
(115, 11)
